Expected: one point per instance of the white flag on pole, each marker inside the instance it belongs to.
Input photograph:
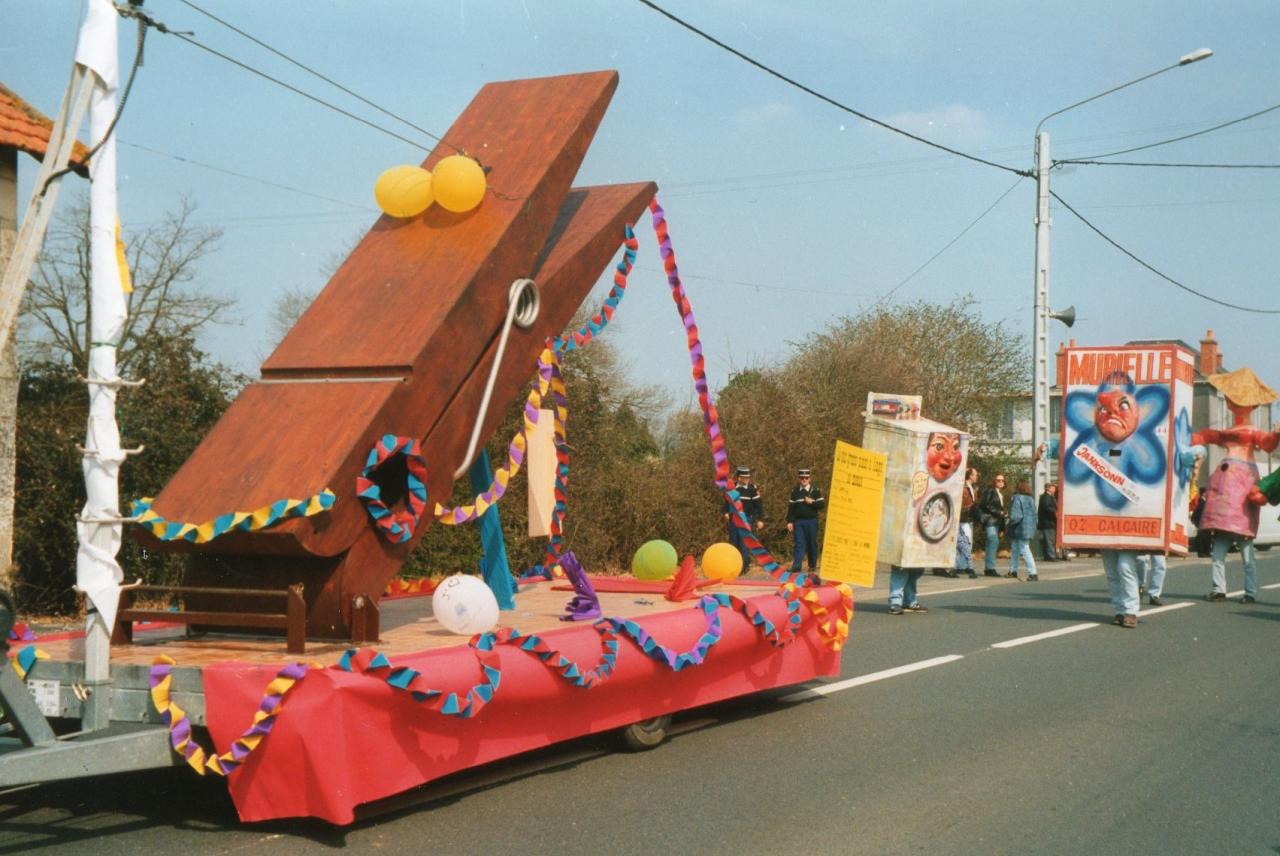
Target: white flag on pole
(97, 572)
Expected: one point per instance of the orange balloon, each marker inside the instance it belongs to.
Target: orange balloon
(458, 183)
(722, 562)
(403, 191)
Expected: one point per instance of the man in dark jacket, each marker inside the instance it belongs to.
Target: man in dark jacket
(802, 520)
(752, 507)
(1047, 523)
(991, 515)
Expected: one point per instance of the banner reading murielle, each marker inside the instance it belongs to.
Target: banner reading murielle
(1126, 424)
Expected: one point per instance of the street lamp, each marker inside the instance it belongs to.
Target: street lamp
(1040, 331)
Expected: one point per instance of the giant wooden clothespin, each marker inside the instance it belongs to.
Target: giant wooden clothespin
(400, 342)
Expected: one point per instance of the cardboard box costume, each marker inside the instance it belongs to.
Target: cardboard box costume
(923, 481)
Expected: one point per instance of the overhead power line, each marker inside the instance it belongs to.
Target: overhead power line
(1178, 139)
(145, 18)
(1158, 273)
(295, 90)
(1173, 165)
(950, 243)
(821, 97)
(226, 171)
(315, 73)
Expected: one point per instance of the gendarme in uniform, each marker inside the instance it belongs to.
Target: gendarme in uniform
(802, 520)
(752, 507)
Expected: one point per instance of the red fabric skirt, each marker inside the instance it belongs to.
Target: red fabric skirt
(344, 738)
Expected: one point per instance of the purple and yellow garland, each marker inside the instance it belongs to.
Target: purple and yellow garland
(175, 718)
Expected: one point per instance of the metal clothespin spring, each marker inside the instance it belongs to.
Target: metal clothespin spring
(523, 303)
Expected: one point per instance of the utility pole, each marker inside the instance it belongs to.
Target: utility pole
(1040, 323)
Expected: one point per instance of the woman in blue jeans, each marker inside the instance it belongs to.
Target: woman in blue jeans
(1022, 528)
(991, 515)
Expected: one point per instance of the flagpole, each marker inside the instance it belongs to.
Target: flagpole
(99, 528)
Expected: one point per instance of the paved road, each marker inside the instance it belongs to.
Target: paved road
(966, 730)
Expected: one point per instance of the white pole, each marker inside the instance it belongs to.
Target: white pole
(99, 529)
(1040, 331)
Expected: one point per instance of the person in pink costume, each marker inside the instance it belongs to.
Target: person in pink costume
(1233, 497)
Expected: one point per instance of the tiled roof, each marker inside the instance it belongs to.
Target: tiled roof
(26, 128)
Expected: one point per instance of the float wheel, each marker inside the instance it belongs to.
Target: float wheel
(644, 735)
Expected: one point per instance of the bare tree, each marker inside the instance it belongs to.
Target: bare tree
(163, 260)
(294, 300)
(285, 312)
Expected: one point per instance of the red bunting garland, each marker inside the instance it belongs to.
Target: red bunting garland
(468, 704)
(396, 526)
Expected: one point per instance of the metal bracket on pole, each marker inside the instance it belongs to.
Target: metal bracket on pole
(94, 453)
(114, 383)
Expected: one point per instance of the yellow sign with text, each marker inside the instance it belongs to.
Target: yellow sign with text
(853, 516)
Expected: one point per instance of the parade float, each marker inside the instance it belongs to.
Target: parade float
(303, 687)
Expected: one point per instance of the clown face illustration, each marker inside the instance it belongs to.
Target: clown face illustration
(943, 455)
(1116, 416)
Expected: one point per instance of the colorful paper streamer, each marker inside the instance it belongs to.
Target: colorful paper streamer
(467, 704)
(396, 526)
(175, 718)
(236, 521)
(369, 662)
(710, 416)
(585, 604)
(23, 660)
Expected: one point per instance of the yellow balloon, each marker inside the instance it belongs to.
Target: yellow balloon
(721, 562)
(459, 183)
(403, 191)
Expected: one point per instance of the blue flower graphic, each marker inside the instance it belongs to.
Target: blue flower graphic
(1182, 441)
(1140, 456)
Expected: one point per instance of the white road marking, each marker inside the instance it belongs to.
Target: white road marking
(828, 689)
(1061, 631)
(1075, 576)
(838, 686)
(950, 591)
(1171, 606)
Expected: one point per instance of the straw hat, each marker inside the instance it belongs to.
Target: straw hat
(1243, 387)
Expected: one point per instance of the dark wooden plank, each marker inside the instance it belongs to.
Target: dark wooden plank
(276, 441)
(425, 297)
(411, 284)
(220, 619)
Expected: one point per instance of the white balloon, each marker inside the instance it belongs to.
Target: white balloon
(463, 604)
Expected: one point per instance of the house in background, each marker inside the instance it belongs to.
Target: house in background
(1011, 433)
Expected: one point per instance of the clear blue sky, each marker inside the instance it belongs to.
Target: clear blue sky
(784, 211)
